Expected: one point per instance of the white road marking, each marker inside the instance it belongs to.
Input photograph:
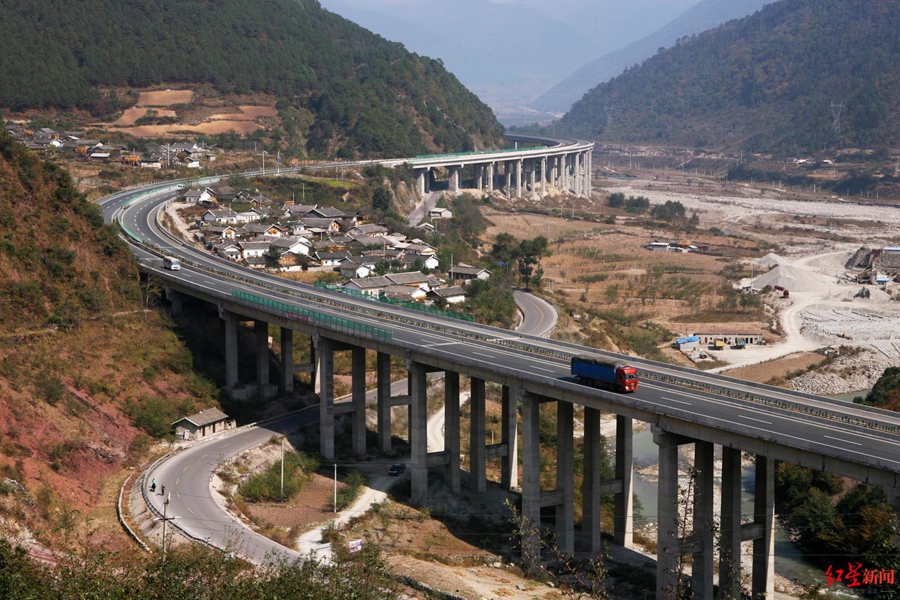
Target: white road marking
(841, 440)
(543, 369)
(678, 401)
(484, 355)
(757, 420)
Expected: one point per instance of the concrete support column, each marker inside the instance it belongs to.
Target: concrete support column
(490, 178)
(231, 348)
(519, 166)
(420, 181)
(509, 420)
(532, 176)
(383, 392)
(429, 180)
(565, 172)
(590, 489)
(543, 177)
(730, 538)
(507, 170)
(624, 505)
(477, 432)
(479, 177)
(325, 377)
(576, 174)
(451, 430)
(358, 389)
(418, 431)
(262, 357)
(177, 300)
(667, 549)
(565, 477)
(454, 179)
(554, 175)
(531, 468)
(313, 379)
(704, 522)
(763, 583)
(286, 385)
(590, 174)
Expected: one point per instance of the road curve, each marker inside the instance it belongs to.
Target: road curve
(539, 317)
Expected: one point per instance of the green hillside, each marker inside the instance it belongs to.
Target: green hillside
(763, 83)
(350, 88)
(83, 366)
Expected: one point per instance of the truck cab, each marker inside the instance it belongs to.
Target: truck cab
(626, 378)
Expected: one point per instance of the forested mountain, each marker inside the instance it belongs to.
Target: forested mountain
(705, 15)
(353, 88)
(765, 83)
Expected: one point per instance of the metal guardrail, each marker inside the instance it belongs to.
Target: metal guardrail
(411, 304)
(477, 152)
(296, 313)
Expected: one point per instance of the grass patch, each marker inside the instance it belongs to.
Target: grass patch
(266, 486)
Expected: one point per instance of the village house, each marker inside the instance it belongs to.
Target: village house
(465, 273)
(204, 423)
(404, 293)
(226, 233)
(254, 249)
(292, 244)
(451, 295)
(370, 286)
(195, 195)
(228, 250)
(440, 213)
(331, 259)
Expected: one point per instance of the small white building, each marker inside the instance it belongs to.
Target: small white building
(203, 424)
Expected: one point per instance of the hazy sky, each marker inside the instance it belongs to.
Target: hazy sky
(511, 51)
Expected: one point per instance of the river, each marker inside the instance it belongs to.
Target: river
(789, 563)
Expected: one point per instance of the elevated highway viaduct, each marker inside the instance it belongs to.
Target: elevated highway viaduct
(682, 405)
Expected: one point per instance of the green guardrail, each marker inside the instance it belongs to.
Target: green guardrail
(295, 313)
(476, 152)
(402, 303)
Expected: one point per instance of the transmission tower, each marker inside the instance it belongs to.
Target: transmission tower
(609, 112)
(836, 110)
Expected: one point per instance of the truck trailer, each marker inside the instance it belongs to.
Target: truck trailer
(600, 372)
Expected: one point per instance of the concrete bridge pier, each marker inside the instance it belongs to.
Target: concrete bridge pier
(543, 177)
(730, 537)
(358, 394)
(231, 347)
(507, 170)
(591, 485)
(566, 166)
(383, 393)
(509, 421)
(668, 550)
(623, 526)
(286, 383)
(490, 178)
(565, 477)
(325, 385)
(479, 177)
(262, 357)
(418, 431)
(477, 433)
(589, 174)
(421, 176)
(519, 164)
(531, 473)
(532, 176)
(177, 302)
(451, 431)
(554, 171)
(454, 178)
(763, 582)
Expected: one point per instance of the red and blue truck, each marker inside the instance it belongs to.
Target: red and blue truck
(601, 372)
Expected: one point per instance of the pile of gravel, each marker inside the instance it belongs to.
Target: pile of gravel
(792, 279)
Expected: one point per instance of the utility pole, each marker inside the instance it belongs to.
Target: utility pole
(282, 468)
(335, 487)
(165, 519)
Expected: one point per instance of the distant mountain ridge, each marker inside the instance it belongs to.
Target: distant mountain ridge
(349, 89)
(764, 83)
(705, 15)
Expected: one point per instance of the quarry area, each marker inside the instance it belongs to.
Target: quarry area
(828, 283)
